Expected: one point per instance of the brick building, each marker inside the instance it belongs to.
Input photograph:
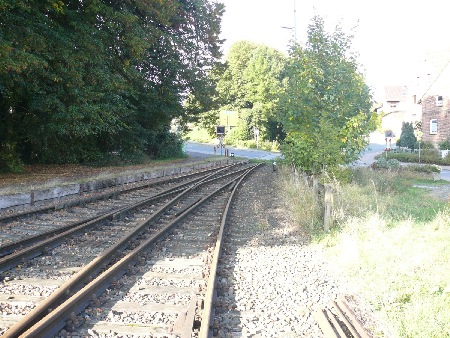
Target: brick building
(436, 98)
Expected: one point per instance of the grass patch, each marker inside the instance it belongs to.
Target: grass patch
(402, 270)
(391, 241)
(198, 134)
(39, 177)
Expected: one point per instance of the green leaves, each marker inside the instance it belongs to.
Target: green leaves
(252, 79)
(101, 74)
(407, 137)
(325, 109)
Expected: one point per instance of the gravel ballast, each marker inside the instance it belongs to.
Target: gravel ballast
(271, 279)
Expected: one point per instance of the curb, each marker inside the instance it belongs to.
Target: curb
(30, 198)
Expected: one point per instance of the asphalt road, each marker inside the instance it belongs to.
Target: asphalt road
(206, 150)
(194, 149)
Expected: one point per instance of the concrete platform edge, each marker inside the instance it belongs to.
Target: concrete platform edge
(28, 198)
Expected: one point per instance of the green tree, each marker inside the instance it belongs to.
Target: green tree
(407, 136)
(252, 79)
(80, 80)
(326, 107)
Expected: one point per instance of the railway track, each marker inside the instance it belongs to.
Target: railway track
(36, 225)
(120, 268)
(337, 320)
(114, 194)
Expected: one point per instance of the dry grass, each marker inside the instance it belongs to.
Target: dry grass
(391, 241)
(300, 200)
(46, 176)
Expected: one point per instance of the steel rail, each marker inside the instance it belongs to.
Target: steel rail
(104, 195)
(38, 319)
(339, 321)
(207, 313)
(11, 247)
(46, 241)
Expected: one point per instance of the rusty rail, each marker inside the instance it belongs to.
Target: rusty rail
(42, 323)
(337, 320)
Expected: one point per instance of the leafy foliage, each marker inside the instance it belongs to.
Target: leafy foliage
(383, 163)
(425, 145)
(407, 137)
(250, 82)
(80, 80)
(444, 145)
(430, 156)
(326, 107)
(427, 168)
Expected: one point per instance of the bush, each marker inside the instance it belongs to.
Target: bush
(407, 137)
(343, 175)
(165, 145)
(429, 156)
(428, 168)
(9, 159)
(424, 145)
(444, 145)
(383, 163)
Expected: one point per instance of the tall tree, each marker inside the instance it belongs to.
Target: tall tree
(407, 136)
(80, 80)
(252, 79)
(326, 107)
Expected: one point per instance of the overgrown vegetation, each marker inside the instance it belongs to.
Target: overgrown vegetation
(428, 156)
(248, 85)
(390, 239)
(326, 108)
(314, 104)
(87, 81)
(407, 138)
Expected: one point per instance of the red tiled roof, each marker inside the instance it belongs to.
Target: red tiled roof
(395, 93)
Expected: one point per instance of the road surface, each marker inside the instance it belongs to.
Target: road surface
(376, 146)
(207, 150)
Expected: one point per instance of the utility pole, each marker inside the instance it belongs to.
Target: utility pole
(295, 24)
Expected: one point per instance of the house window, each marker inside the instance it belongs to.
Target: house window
(433, 126)
(439, 101)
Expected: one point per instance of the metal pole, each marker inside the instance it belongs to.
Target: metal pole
(419, 151)
(295, 24)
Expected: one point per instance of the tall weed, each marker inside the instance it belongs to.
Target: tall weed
(391, 243)
(300, 199)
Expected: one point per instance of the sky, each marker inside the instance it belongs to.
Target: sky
(390, 36)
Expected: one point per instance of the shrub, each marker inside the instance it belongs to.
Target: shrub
(430, 156)
(444, 145)
(427, 168)
(9, 159)
(343, 175)
(383, 163)
(165, 145)
(236, 134)
(407, 137)
(426, 145)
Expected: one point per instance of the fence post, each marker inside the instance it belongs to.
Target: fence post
(328, 207)
(315, 185)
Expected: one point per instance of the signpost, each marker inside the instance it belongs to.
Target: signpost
(256, 133)
(418, 133)
(220, 131)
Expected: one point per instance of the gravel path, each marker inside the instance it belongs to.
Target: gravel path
(271, 279)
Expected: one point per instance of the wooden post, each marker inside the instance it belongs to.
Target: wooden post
(315, 185)
(328, 207)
